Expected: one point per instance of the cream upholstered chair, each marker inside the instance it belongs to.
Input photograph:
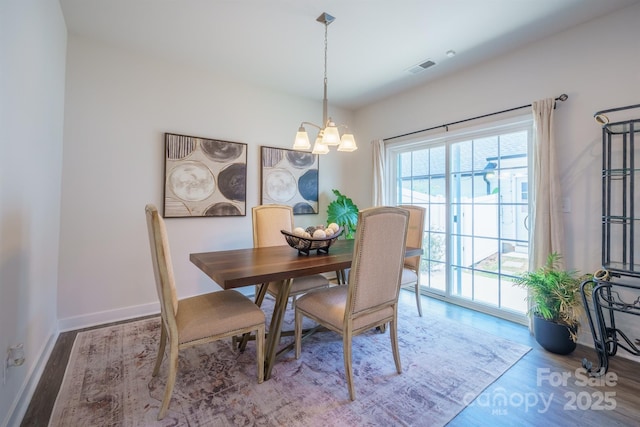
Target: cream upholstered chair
(195, 320)
(370, 298)
(268, 220)
(415, 236)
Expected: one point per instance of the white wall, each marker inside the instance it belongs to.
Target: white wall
(597, 64)
(32, 66)
(118, 106)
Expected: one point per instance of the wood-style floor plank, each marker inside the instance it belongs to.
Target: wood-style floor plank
(526, 395)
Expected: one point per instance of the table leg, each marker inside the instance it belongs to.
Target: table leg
(275, 327)
(341, 277)
(262, 291)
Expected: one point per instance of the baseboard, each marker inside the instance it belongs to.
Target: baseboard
(626, 355)
(102, 317)
(108, 316)
(621, 353)
(23, 398)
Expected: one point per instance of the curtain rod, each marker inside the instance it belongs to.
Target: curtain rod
(562, 97)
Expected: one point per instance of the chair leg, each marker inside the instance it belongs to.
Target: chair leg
(348, 370)
(161, 348)
(393, 332)
(171, 380)
(261, 291)
(260, 352)
(418, 300)
(298, 333)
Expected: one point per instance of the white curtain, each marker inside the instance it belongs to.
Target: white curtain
(379, 198)
(547, 229)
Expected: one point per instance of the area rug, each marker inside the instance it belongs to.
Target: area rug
(108, 379)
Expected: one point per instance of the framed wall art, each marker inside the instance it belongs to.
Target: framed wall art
(204, 177)
(289, 177)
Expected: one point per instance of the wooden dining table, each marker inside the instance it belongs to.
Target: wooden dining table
(258, 266)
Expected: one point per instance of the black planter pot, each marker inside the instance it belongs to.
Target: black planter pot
(552, 336)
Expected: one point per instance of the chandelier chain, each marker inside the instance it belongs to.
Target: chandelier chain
(326, 27)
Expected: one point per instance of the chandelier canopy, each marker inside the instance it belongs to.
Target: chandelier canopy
(328, 134)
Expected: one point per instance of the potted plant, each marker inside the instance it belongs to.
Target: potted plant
(556, 304)
(343, 212)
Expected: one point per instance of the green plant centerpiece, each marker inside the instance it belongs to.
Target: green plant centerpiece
(556, 304)
(343, 212)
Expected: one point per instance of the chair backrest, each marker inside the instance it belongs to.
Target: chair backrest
(162, 267)
(415, 233)
(378, 258)
(268, 220)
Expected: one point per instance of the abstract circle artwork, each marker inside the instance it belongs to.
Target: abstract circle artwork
(290, 178)
(204, 177)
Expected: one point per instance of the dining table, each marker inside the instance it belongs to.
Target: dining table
(238, 268)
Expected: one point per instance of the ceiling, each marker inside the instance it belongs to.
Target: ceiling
(371, 44)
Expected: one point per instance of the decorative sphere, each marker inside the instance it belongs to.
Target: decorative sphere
(328, 231)
(334, 226)
(319, 234)
(299, 231)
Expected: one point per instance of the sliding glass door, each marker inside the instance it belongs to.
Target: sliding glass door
(474, 186)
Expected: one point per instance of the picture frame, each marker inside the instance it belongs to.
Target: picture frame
(289, 177)
(204, 177)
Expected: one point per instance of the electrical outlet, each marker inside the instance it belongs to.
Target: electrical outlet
(15, 357)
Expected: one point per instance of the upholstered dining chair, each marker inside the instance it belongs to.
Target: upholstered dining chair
(370, 298)
(415, 236)
(199, 319)
(268, 220)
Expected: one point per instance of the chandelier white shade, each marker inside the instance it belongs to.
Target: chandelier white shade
(328, 133)
(319, 147)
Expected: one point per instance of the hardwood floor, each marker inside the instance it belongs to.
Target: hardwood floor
(541, 389)
(44, 397)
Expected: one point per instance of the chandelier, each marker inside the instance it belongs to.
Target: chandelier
(328, 134)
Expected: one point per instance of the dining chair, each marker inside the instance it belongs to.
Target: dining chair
(415, 237)
(370, 298)
(268, 220)
(199, 319)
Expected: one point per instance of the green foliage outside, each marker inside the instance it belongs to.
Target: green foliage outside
(435, 244)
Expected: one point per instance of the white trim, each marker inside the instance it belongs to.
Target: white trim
(481, 308)
(108, 316)
(478, 130)
(19, 407)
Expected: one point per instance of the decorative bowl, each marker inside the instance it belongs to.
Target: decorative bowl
(304, 244)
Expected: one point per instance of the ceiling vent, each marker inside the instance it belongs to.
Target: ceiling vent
(421, 67)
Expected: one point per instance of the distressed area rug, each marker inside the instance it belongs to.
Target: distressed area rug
(108, 379)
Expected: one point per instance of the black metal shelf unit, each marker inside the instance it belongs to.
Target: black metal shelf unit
(615, 290)
(620, 221)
